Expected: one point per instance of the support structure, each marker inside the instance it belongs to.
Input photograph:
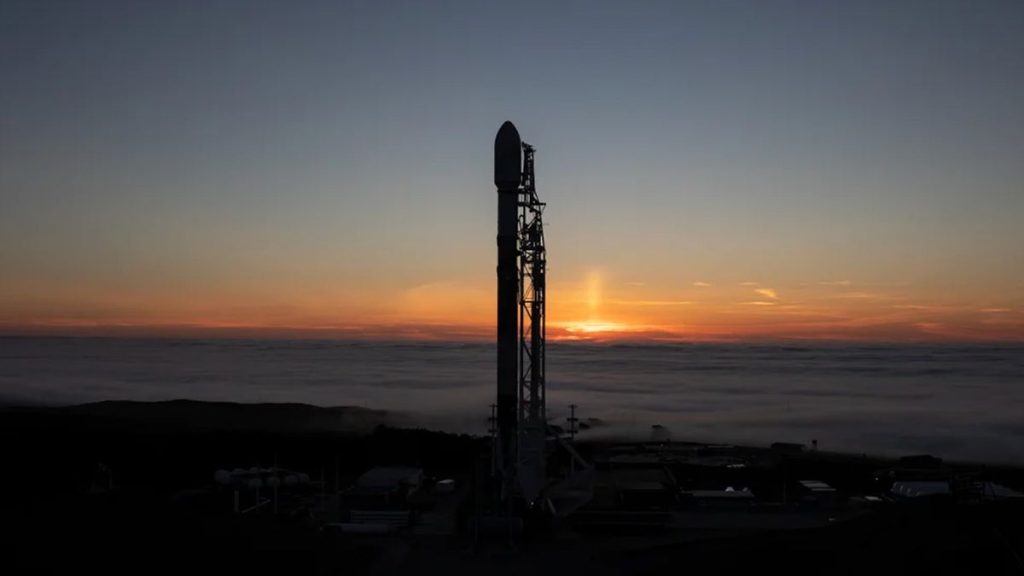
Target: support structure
(532, 333)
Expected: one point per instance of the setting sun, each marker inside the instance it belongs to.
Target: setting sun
(591, 327)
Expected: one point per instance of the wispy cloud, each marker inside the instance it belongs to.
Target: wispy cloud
(748, 283)
(651, 302)
(759, 303)
(702, 284)
(835, 283)
(995, 310)
(767, 293)
(859, 296)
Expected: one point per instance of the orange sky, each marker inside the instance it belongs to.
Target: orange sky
(595, 307)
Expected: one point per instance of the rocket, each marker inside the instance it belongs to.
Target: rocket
(508, 169)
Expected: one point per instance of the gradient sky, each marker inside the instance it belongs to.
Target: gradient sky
(713, 170)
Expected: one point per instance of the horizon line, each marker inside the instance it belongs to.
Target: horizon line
(465, 334)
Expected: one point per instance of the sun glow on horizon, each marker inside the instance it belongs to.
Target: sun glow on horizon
(597, 304)
(594, 327)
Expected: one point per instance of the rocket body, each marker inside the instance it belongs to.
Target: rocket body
(507, 178)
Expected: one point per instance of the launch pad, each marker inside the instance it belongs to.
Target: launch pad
(522, 441)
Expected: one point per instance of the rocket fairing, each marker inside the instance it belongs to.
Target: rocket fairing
(508, 168)
(508, 158)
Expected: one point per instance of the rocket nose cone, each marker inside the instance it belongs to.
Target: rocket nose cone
(508, 128)
(508, 157)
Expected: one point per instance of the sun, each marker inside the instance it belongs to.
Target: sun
(595, 327)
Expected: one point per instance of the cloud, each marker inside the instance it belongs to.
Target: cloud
(652, 302)
(636, 283)
(759, 303)
(835, 283)
(995, 310)
(441, 301)
(859, 296)
(748, 283)
(767, 293)
(699, 284)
